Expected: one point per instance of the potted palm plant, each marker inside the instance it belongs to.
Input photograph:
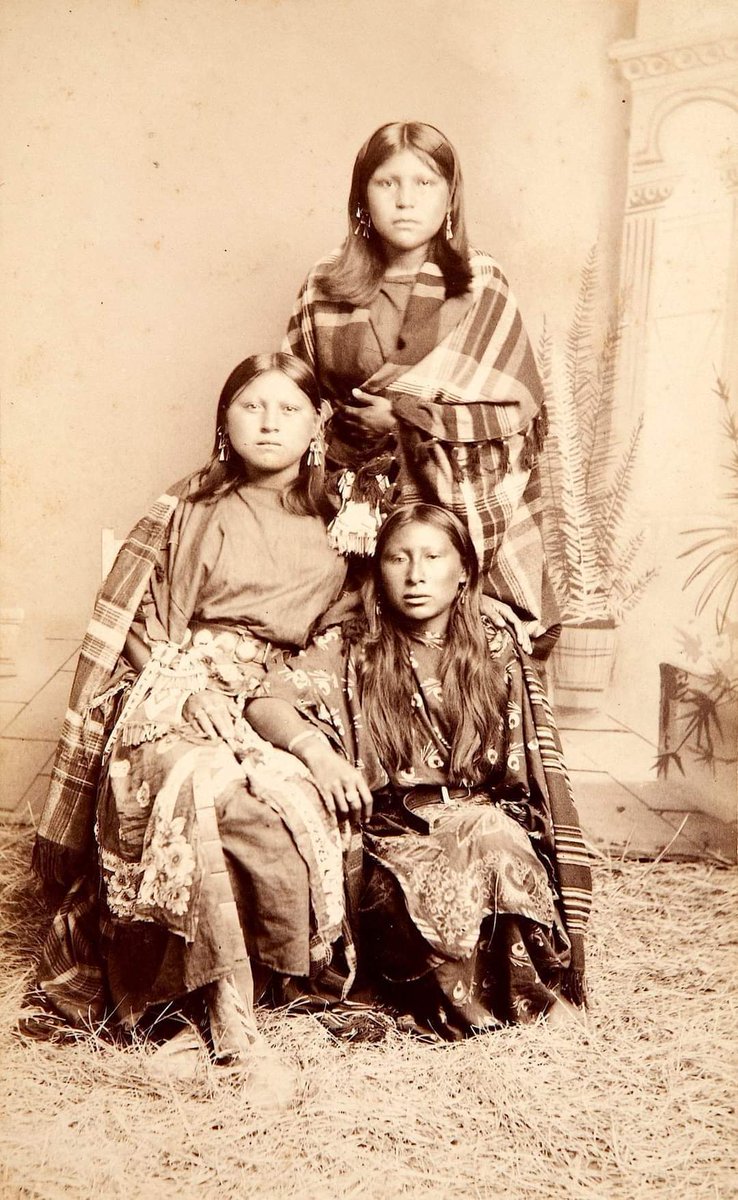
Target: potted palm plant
(592, 549)
(698, 715)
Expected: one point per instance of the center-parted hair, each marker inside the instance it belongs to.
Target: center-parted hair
(356, 273)
(473, 685)
(307, 494)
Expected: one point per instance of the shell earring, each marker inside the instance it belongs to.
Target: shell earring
(224, 446)
(365, 222)
(316, 451)
(449, 227)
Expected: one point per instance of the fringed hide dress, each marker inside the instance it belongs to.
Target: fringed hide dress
(183, 858)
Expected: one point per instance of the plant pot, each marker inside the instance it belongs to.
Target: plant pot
(698, 738)
(581, 664)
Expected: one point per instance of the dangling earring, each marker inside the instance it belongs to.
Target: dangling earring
(224, 446)
(462, 593)
(377, 608)
(449, 227)
(365, 222)
(316, 451)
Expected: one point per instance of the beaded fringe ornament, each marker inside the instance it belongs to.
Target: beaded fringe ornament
(355, 527)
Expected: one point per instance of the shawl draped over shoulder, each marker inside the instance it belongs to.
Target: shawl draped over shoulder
(145, 561)
(470, 413)
(65, 830)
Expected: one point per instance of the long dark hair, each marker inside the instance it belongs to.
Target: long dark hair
(307, 495)
(355, 275)
(473, 688)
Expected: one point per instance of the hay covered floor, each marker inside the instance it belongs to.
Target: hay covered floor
(640, 1104)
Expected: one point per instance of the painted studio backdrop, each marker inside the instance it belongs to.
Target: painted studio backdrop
(172, 169)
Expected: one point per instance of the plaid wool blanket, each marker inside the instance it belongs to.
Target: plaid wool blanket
(65, 831)
(468, 400)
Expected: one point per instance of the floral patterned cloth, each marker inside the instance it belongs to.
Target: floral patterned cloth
(147, 829)
(509, 854)
(512, 974)
(477, 861)
(202, 851)
(283, 850)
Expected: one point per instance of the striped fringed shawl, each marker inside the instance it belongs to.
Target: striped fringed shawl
(65, 830)
(469, 404)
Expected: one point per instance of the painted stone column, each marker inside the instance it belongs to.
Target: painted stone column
(644, 198)
(730, 182)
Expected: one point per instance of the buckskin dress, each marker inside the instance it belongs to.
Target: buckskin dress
(190, 833)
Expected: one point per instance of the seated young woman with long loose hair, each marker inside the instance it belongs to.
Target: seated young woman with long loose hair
(187, 848)
(430, 726)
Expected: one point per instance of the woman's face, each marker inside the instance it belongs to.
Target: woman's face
(421, 572)
(407, 201)
(270, 424)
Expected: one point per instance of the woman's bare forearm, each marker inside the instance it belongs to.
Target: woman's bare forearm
(278, 722)
(342, 787)
(136, 651)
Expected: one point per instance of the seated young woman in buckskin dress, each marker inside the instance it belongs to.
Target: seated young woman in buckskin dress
(186, 847)
(430, 726)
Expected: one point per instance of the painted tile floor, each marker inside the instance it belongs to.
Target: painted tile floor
(624, 810)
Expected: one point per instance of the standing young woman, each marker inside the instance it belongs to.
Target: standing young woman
(432, 729)
(419, 347)
(185, 847)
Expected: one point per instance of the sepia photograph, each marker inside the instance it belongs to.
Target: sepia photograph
(369, 599)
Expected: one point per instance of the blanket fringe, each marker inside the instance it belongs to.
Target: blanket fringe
(534, 439)
(574, 987)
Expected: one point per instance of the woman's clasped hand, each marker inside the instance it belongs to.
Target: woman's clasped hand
(341, 785)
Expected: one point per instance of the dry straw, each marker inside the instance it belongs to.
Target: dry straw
(639, 1104)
